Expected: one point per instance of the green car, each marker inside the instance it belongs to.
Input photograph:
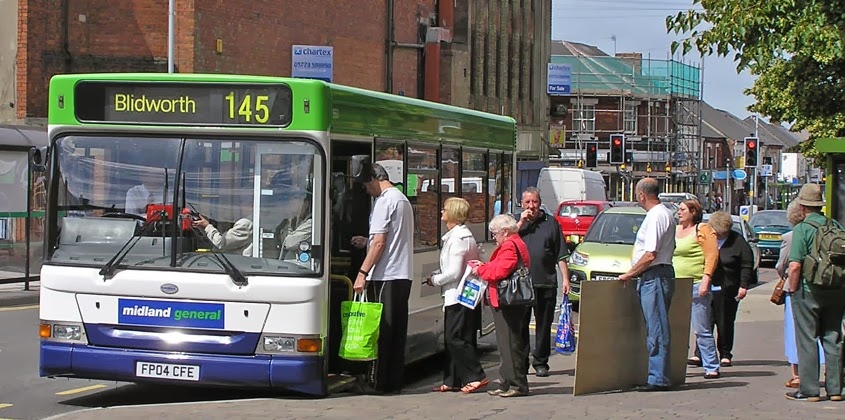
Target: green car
(606, 250)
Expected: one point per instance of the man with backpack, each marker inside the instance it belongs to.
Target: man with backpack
(817, 287)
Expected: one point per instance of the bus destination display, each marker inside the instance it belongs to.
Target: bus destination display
(180, 103)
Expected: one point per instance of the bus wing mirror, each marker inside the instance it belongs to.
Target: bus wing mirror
(361, 168)
(38, 159)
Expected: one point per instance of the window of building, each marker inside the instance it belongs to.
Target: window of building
(584, 119)
(630, 122)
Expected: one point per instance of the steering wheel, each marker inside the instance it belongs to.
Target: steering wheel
(124, 215)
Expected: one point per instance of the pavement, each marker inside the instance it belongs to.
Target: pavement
(14, 294)
(752, 388)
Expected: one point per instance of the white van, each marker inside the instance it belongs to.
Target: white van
(676, 198)
(561, 184)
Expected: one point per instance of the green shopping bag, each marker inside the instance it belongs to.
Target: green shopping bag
(359, 322)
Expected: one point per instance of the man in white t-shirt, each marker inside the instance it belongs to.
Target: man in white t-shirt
(386, 273)
(652, 263)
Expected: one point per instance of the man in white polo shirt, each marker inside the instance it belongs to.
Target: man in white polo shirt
(386, 273)
(652, 262)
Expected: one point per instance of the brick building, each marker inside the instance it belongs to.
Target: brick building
(481, 54)
(653, 103)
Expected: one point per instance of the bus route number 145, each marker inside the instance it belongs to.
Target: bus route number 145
(251, 107)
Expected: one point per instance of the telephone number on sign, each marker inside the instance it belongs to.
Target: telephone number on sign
(167, 371)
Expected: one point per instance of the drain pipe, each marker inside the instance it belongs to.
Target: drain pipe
(388, 85)
(66, 42)
(171, 33)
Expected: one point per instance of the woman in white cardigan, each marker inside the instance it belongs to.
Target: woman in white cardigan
(464, 371)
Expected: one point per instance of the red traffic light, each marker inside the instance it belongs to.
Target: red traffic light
(592, 148)
(751, 144)
(617, 142)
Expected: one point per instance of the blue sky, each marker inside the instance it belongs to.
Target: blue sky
(639, 26)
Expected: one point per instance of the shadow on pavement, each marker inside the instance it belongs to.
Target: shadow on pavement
(747, 373)
(760, 363)
(142, 394)
(716, 384)
(550, 390)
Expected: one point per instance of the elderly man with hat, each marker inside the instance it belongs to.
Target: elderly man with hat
(817, 312)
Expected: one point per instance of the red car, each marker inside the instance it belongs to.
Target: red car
(575, 218)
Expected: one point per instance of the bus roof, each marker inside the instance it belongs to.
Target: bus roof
(341, 109)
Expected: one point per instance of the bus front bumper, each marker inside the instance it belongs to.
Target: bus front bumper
(297, 373)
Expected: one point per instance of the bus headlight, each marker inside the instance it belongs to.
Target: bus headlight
(67, 332)
(277, 344)
(61, 331)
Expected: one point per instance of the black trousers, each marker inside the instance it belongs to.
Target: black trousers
(723, 316)
(544, 314)
(511, 330)
(463, 365)
(393, 332)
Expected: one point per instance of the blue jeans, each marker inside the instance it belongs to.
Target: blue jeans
(703, 329)
(655, 289)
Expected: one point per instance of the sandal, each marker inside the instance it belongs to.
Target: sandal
(793, 383)
(475, 386)
(444, 388)
(712, 375)
(694, 361)
(725, 362)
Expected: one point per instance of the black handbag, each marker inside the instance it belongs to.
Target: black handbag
(518, 289)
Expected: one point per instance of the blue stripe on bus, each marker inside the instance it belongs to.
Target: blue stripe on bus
(297, 373)
(155, 338)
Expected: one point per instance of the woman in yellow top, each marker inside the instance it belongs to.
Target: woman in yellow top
(696, 256)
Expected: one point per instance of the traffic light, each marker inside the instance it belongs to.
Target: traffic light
(752, 151)
(617, 149)
(592, 155)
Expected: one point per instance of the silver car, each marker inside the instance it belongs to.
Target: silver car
(743, 228)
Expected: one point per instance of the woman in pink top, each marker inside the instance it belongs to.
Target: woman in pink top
(511, 321)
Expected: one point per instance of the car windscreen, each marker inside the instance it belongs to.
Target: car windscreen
(615, 228)
(567, 210)
(769, 218)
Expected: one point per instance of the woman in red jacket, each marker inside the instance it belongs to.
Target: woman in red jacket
(511, 322)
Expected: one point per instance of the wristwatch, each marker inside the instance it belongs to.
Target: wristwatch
(363, 272)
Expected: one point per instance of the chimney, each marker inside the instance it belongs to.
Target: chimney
(634, 59)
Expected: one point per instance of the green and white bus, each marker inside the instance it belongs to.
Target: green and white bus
(834, 150)
(134, 285)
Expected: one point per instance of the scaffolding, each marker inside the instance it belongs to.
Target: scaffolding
(665, 94)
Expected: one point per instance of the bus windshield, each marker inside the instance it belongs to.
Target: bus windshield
(250, 200)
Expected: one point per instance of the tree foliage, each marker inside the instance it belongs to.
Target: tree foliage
(795, 47)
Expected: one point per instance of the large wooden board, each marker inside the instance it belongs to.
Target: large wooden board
(611, 352)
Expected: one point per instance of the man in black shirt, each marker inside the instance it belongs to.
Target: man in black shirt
(542, 234)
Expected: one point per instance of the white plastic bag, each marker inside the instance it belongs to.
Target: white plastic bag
(471, 289)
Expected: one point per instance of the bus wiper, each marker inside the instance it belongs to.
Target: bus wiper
(108, 269)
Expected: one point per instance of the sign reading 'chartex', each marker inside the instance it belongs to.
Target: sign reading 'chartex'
(171, 314)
